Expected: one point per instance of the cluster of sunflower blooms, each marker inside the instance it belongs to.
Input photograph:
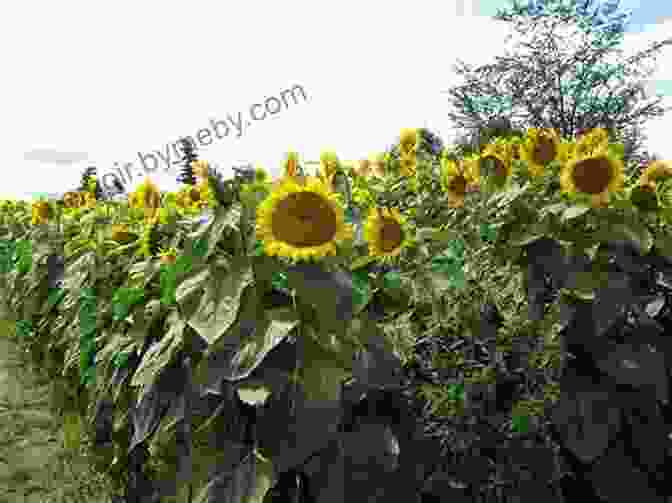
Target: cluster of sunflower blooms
(303, 218)
(73, 203)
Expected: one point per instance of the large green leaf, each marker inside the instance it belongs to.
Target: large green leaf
(586, 417)
(268, 334)
(626, 228)
(221, 301)
(224, 218)
(636, 365)
(160, 353)
(247, 483)
(321, 374)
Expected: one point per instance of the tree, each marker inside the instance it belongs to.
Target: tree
(559, 76)
(598, 16)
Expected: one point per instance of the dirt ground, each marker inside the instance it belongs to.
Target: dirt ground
(35, 467)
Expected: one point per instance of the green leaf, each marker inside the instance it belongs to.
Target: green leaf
(392, 280)
(360, 262)
(259, 248)
(201, 247)
(120, 360)
(617, 149)
(456, 392)
(160, 353)
(219, 305)
(488, 232)
(520, 423)
(123, 299)
(72, 430)
(279, 280)
(321, 374)
(573, 212)
(255, 394)
(362, 288)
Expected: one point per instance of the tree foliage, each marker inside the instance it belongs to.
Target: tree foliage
(560, 74)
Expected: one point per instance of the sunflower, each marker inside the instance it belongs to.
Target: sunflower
(656, 171)
(596, 175)
(541, 146)
(147, 197)
(201, 169)
(591, 141)
(386, 232)
(456, 177)
(302, 220)
(329, 166)
(41, 212)
(121, 234)
(644, 194)
(195, 197)
(408, 143)
(89, 200)
(499, 156)
(72, 199)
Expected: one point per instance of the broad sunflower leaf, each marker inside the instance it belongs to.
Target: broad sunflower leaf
(160, 353)
(246, 483)
(219, 305)
(586, 416)
(636, 365)
(332, 293)
(574, 212)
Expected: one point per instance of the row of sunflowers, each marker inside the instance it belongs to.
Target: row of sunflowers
(303, 217)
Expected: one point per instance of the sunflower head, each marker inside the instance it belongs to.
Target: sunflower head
(147, 197)
(386, 232)
(495, 163)
(41, 212)
(591, 141)
(89, 200)
(596, 176)
(72, 199)
(456, 177)
(540, 148)
(121, 233)
(200, 168)
(655, 172)
(302, 220)
(408, 142)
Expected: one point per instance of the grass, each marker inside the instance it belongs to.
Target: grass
(35, 466)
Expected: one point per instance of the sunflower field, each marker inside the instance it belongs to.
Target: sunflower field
(415, 325)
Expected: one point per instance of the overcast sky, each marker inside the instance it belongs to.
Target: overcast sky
(97, 83)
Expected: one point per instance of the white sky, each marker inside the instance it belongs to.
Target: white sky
(113, 79)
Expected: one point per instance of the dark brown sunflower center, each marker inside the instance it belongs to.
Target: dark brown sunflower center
(544, 151)
(304, 219)
(592, 176)
(195, 195)
(391, 234)
(458, 185)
